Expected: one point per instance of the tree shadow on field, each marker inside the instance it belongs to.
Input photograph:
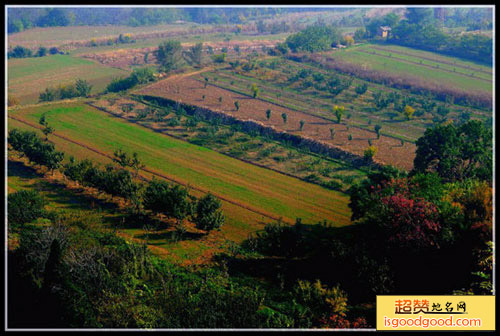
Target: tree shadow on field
(17, 169)
(57, 192)
(321, 123)
(171, 236)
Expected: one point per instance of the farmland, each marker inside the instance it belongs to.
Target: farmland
(232, 141)
(190, 90)
(29, 76)
(282, 94)
(56, 36)
(196, 166)
(221, 167)
(435, 69)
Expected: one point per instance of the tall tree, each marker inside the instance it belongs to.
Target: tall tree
(456, 153)
(168, 55)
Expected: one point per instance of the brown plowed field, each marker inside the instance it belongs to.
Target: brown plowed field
(123, 58)
(190, 90)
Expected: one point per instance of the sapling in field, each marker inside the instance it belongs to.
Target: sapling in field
(285, 117)
(268, 114)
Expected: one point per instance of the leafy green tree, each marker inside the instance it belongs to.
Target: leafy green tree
(42, 51)
(208, 215)
(302, 122)
(284, 116)
(19, 52)
(268, 114)
(456, 152)
(255, 90)
(443, 111)
(83, 87)
(47, 130)
(314, 38)
(419, 15)
(142, 75)
(221, 58)
(194, 54)
(237, 105)
(370, 153)
(377, 130)
(122, 158)
(169, 54)
(360, 89)
(161, 197)
(408, 112)
(49, 94)
(43, 120)
(339, 112)
(25, 206)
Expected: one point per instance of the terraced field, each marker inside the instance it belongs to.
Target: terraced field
(190, 90)
(248, 187)
(426, 67)
(27, 77)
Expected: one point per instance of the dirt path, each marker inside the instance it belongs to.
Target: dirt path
(154, 173)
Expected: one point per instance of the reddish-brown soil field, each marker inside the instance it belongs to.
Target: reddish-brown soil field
(190, 90)
(123, 58)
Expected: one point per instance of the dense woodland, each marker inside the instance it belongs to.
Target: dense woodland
(26, 18)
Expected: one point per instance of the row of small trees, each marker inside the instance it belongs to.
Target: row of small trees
(23, 52)
(81, 88)
(157, 196)
(40, 152)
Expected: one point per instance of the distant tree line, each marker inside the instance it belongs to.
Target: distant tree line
(318, 37)
(138, 76)
(20, 19)
(421, 30)
(23, 52)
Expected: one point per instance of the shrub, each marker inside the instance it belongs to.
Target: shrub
(161, 197)
(208, 215)
(370, 153)
(12, 100)
(221, 58)
(25, 206)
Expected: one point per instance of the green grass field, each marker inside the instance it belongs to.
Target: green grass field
(243, 183)
(426, 71)
(432, 57)
(28, 77)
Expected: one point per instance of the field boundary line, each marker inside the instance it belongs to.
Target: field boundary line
(225, 154)
(431, 59)
(393, 134)
(310, 114)
(424, 65)
(154, 173)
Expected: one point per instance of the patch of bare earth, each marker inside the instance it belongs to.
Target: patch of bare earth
(123, 58)
(190, 90)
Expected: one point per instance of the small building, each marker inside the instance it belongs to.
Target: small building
(384, 31)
